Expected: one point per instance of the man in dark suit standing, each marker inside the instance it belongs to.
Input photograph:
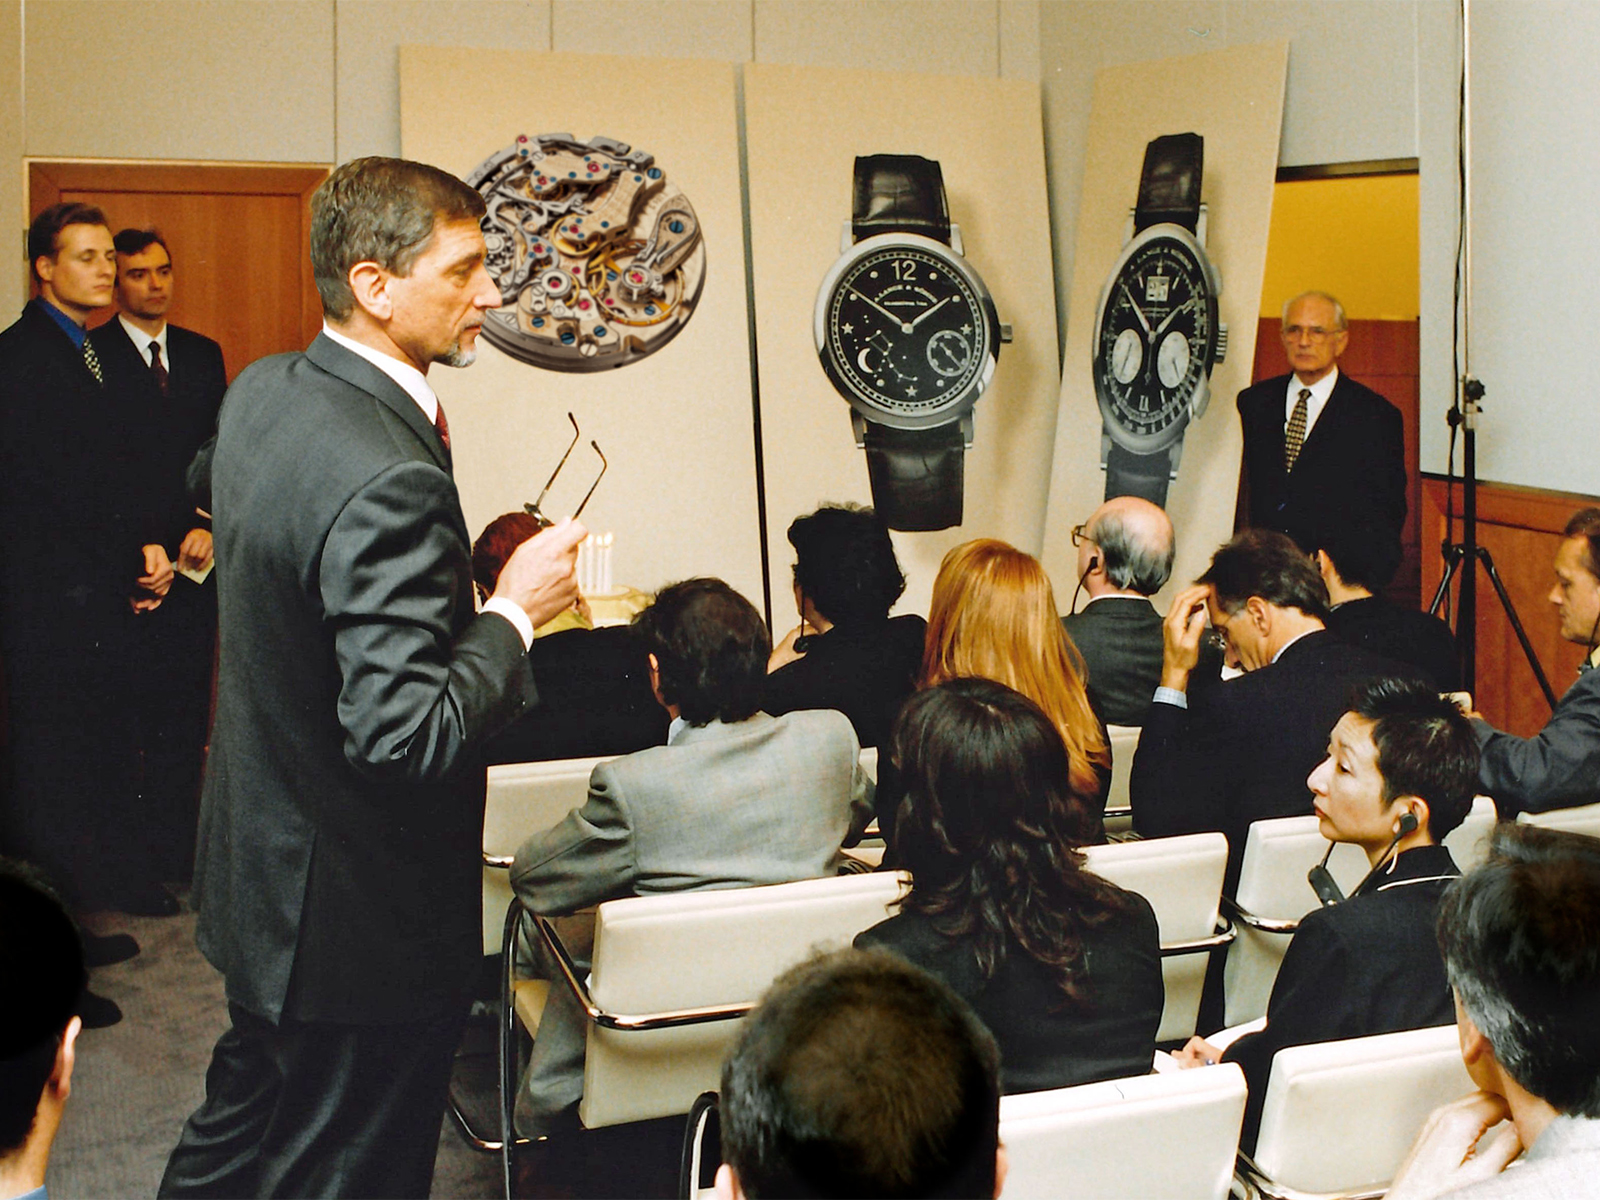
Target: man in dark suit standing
(1320, 449)
(169, 382)
(1240, 750)
(341, 823)
(1124, 557)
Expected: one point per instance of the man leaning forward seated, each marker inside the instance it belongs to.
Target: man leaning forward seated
(736, 798)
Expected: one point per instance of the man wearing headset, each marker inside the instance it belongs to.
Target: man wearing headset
(1559, 767)
(1398, 777)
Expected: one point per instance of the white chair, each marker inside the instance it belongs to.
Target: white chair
(1272, 895)
(1181, 877)
(869, 762)
(671, 978)
(1584, 819)
(1339, 1117)
(1150, 1136)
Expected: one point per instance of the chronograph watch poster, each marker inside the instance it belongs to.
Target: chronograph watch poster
(1179, 166)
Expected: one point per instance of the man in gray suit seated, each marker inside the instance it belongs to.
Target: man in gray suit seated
(736, 798)
(1521, 942)
(1124, 558)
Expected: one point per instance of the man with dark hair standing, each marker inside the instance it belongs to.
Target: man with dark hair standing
(861, 1075)
(1521, 942)
(736, 798)
(1355, 561)
(168, 382)
(1559, 767)
(1125, 552)
(42, 964)
(1241, 752)
(341, 824)
(1399, 776)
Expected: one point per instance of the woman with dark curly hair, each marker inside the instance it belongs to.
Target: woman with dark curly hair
(847, 652)
(1063, 966)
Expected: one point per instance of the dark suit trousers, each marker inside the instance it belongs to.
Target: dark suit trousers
(318, 1109)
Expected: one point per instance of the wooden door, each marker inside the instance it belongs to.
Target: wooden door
(238, 235)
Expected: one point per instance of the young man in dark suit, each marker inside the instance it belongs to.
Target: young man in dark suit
(342, 819)
(169, 383)
(1319, 448)
(1398, 777)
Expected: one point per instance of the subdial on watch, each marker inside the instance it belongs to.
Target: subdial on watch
(1127, 355)
(1172, 360)
(949, 353)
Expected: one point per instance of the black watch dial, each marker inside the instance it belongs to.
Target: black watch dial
(906, 332)
(1158, 332)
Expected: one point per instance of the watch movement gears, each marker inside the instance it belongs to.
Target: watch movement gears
(598, 255)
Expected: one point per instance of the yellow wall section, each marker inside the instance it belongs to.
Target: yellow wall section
(1354, 238)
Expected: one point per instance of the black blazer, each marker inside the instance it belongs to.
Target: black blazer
(1120, 640)
(1242, 750)
(864, 672)
(1043, 1045)
(1403, 634)
(338, 876)
(1352, 468)
(1370, 965)
(169, 429)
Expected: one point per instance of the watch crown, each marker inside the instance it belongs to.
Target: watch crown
(1005, 335)
(1222, 344)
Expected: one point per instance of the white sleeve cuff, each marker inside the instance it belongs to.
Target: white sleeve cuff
(1166, 695)
(513, 613)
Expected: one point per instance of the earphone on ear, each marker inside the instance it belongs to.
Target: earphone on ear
(1408, 824)
(1094, 561)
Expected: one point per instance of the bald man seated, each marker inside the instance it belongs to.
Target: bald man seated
(1124, 557)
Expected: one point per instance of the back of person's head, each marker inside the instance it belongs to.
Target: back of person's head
(1363, 552)
(496, 544)
(845, 564)
(1521, 942)
(993, 616)
(861, 1075)
(1136, 545)
(990, 831)
(1268, 564)
(711, 649)
(44, 234)
(1426, 748)
(41, 961)
(1585, 524)
(380, 210)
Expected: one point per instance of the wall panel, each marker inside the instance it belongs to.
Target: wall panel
(946, 37)
(653, 28)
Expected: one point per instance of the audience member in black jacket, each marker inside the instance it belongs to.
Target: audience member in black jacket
(1355, 562)
(846, 653)
(1063, 967)
(1399, 776)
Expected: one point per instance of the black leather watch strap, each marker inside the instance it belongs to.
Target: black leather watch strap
(1142, 475)
(1169, 185)
(916, 475)
(899, 193)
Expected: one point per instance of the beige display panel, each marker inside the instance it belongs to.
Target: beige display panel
(804, 128)
(680, 495)
(1234, 99)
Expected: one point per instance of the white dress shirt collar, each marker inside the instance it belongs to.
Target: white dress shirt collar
(142, 340)
(413, 381)
(1320, 391)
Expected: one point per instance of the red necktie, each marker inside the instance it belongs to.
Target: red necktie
(157, 368)
(442, 426)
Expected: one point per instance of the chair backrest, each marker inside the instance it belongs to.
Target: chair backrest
(1181, 877)
(700, 949)
(1341, 1116)
(1584, 819)
(1124, 741)
(869, 762)
(1151, 1136)
(1272, 884)
(522, 799)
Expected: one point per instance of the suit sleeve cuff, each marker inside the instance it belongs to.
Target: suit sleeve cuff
(1166, 695)
(513, 613)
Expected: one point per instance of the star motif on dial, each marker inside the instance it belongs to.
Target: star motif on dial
(967, 329)
(849, 328)
(911, 389)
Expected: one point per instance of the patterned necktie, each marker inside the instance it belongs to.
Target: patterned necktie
(1295, 436)
(157, 368)
(92, 361)
(443, 427)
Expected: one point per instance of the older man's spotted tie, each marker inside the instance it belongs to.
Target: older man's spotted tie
(92, 361)
(1295, 436)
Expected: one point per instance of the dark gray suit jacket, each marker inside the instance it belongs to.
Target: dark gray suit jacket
(341, 826)
(1559, 767)
(1120, 640)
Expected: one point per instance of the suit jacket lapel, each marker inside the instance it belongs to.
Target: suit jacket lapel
(358, 372)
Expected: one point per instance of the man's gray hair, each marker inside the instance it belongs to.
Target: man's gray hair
(1340, 321)
(1131, 558)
